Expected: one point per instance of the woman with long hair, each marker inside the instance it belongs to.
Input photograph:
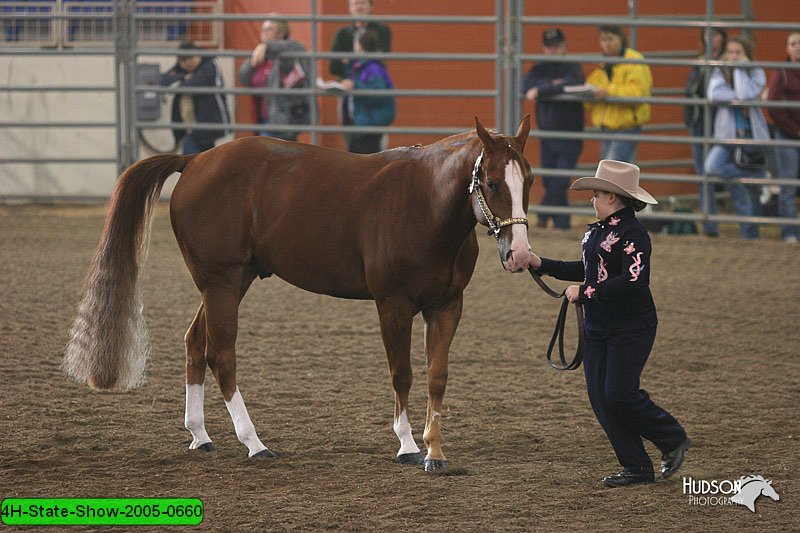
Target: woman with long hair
(714, 41)
(737, 82)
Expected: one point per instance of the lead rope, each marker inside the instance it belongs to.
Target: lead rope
(558, 331)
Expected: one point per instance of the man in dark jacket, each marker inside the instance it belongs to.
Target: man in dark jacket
(545, 79)
(343, 41)
(193, 70)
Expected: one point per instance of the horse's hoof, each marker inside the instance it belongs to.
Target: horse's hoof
(207, 447)
(410, 458)
(432, 465)
(266, 453)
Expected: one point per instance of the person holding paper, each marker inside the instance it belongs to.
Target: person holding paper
(345, 40)
(376, 110)
(622, 80)
(546, 79)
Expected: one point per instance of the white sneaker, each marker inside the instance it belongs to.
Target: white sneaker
(767, 193)
(791, 239)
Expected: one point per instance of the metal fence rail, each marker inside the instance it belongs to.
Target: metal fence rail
(494, 59)
(127, 31)
(89, 23)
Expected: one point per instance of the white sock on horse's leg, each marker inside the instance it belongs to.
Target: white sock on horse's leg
(245, 430)
(194, 419)
(403, 431)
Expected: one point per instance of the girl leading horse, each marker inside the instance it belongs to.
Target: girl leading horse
(396, 227)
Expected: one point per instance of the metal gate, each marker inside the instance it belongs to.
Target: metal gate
(126, 31)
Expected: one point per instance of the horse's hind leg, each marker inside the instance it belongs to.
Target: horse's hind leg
(221, 301)
(194, 419)
(396, 322)
(440, 328)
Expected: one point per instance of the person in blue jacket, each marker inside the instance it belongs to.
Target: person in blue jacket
(368, 110)
(193, 70)
(546, 79)
(620, 324)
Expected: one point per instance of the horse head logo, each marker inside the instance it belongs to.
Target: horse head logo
(751, 487)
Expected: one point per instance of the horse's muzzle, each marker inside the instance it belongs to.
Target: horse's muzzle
(515, 261)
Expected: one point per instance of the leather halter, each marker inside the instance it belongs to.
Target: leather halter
(495, 224)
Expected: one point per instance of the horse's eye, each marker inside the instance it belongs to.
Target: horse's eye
(493, 185)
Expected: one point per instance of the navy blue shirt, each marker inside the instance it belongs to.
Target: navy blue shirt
(554, 115)
(615, 271)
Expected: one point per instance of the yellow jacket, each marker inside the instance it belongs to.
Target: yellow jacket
(627, 80)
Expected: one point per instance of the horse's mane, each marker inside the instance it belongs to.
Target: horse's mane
(748, 479)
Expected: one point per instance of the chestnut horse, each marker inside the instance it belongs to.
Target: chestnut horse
(397, 227)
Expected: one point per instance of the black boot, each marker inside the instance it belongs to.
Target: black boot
(672, 461)
(626, 477)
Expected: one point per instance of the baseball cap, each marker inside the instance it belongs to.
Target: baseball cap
(552, 37)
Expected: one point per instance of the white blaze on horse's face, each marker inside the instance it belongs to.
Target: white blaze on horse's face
(518, 256)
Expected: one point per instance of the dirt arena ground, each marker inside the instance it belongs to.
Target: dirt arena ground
(525, 451)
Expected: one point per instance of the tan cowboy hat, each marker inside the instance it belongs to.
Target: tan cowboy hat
(617, 177)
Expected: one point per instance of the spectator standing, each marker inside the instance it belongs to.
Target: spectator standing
(266, 68)
(344, 41)
(368, 110)
(627, 80)
(543, 80)
(737, 83)
(194, 70)
(784, 84)
(344, 38)
(694, 116)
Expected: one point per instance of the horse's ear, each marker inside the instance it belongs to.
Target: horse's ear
(484, 135)
(522, 132)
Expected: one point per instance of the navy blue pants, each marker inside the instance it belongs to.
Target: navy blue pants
(560, 154)
(612, 364)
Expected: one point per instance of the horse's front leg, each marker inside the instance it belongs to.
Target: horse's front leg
(396, 319)
(440, 328)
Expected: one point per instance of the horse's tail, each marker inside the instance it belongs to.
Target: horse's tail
(108, 345)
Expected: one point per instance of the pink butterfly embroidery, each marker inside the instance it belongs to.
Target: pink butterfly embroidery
(613, 221)
(589, 291)
(610, 241)
(630, 248)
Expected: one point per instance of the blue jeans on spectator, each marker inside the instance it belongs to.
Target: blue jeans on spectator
(708, 204)
(560, 154)
(720, 162)
(191, 145)
(698, 153)
(620, 150)
(788, 164)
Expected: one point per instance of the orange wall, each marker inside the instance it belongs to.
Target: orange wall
(461, 38)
